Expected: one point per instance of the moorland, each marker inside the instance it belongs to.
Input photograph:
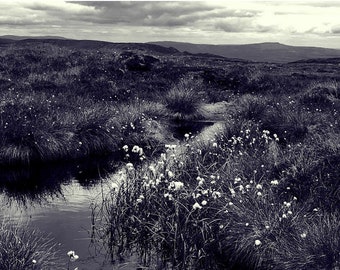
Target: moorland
(260, 192)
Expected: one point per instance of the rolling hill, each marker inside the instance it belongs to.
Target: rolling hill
(272, 52)
(260, 52)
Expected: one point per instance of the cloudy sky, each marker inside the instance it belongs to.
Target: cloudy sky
(314, 23)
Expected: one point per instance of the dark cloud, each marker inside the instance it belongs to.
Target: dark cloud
(161, 14)
(234, 25)
(335, 29)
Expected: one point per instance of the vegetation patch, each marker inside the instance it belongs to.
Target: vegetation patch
(22, 248)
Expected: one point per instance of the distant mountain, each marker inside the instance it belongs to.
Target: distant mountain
(87, 44)
(13, 37)
(261, 52)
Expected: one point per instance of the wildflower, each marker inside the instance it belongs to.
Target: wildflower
(258, 186)
(129, 166)
(259, 193)
(257, 242)
(274, 182)
(135, 149)
(72, 255)
(34, 261)
(284, 216)
(140, 199)
(200, 180)
(125, 148)
(303, 235)
(287, 204)
(204, 202)
(170, 174)
(237, 179)
(170, 146)
(168, 195)
(186, 136)
(216, 194)
(176, 185)
(214, 144)
(232, 191)
(197, 206)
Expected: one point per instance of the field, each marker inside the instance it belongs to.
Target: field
(260, 189)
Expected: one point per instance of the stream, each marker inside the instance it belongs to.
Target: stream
(56, 199)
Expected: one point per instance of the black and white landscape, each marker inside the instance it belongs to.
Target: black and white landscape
(149, 135)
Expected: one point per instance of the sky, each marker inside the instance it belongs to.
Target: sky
(301, 23)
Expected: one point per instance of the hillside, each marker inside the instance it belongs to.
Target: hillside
(13, 37)
(262, 52)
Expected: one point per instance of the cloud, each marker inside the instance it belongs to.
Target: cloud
(336, 29)
(159, 14)
(193, 21)
(233, 25)
(58, 6)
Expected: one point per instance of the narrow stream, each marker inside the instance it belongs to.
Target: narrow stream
(56, 200)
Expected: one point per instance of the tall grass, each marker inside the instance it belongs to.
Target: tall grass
(219, 204)
(44, 127)
(183, 99)
(24, 249)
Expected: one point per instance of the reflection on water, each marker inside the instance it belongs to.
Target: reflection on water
(180, 128)
(56, 199)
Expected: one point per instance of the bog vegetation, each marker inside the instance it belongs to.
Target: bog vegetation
(262, 191)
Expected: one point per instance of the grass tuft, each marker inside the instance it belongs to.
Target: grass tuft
(25, 249)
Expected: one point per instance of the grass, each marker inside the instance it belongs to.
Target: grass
(43, 127)
(25, 249)
(246, 198)
(183, 101)
(261, 193)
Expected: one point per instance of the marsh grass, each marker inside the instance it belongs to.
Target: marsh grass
(324, 94)
(218, 204)
(183, 100)
(260, 193)
(25, 249)
(47, 127)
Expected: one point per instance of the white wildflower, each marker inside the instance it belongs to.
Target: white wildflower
(257, 242)
(197, 206)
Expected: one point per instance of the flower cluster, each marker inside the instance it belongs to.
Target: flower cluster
(136, 153)
(206, 190)
(72, 255)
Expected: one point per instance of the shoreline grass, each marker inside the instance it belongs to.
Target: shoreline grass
(24, 249)
(220, 205)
